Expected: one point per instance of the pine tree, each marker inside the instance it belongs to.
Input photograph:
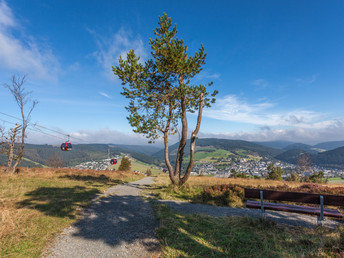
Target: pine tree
(161, 92)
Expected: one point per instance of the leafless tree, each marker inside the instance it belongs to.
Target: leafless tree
(13, 141)
(304, 163)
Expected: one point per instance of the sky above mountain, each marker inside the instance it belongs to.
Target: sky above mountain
(278, 65)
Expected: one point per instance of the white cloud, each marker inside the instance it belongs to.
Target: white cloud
(23, 54)
(105, 95)
(109, 49)
(231, 108)
(332, 132)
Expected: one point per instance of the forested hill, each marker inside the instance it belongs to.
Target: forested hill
(87, 152)
(225, 144)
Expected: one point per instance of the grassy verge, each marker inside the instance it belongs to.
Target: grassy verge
(202, 236)
(39, 202)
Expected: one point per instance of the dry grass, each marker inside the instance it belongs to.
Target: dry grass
(39, 202)
(196, 185)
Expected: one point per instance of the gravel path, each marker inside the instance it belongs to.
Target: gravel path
(119, 225)
(293, 219)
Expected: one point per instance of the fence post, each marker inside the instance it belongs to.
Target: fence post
(321, 216)
(261, 203)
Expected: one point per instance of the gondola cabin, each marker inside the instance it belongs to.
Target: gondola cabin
(67, 146)
(113, 161)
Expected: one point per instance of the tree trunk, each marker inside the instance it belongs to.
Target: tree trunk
(11, 168)
(182, 143)
(193, 143)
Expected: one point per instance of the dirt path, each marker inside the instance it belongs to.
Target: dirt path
(288, 218)
(119, 225)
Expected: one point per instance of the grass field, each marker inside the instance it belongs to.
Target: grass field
(335, 180)
(202, 236)
(39, 202)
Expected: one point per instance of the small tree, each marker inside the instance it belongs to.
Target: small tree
(13, 141)
(274, 173)
(161, 93)
(125, 164)
(55, 161)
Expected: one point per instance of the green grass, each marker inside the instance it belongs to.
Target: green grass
(202, 236)
(335, 180)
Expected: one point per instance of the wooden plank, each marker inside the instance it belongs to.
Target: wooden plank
(334, 200)
(294, 208)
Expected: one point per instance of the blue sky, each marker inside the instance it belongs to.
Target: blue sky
(278, 65)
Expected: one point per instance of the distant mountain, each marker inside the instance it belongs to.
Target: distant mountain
(225, 144)
(275, 144)
(329, 145)
(303, 147)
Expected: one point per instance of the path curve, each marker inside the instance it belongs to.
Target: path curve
(288, 218)
(119, 225)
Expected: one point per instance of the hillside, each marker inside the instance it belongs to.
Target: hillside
(235, 146)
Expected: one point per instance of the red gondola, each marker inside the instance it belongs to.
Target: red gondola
(113, 161)
(67, 146)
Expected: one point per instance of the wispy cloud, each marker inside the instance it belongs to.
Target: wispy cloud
(307, 80)
(205, 75)
(231, 108)
(261, 83)
(110, 48)
(22, 53)
(105, 95)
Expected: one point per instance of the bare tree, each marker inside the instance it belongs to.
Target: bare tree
(13, 141)
(304, 163)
